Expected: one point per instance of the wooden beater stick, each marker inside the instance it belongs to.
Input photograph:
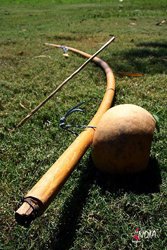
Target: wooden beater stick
(63, 83)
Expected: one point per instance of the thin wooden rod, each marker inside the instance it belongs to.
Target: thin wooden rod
(32, 112)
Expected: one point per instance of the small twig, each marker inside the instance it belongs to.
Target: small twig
(42, 56)
(22, 105)
(63, 83)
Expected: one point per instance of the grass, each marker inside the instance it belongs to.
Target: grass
(92, 211)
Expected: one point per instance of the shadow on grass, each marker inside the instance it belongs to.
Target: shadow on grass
(147, 58)
(64, 233)
(145, 182)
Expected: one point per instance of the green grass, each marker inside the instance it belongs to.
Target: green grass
(92, 211)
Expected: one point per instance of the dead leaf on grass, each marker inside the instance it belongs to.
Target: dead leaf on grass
(161, 22)
(130, 74)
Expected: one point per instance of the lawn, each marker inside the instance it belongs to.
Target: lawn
(92, 211)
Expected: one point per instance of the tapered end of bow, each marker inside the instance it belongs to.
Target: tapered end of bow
(28, 211)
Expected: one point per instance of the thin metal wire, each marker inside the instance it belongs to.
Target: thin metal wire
(66, 126)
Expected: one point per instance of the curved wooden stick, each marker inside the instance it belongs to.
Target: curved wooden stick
(40, 196)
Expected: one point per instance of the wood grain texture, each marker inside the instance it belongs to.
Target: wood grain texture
(51, 182)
